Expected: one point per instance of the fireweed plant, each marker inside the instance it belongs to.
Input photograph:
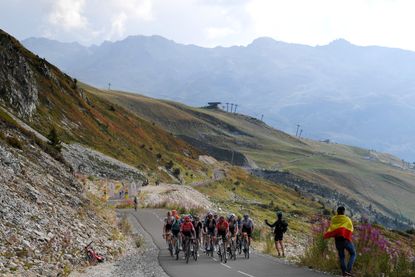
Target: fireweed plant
(376, 254)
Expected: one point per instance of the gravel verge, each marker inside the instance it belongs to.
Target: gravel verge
(138, 262)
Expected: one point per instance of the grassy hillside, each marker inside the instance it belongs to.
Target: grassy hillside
(82, 117)
(375, 179)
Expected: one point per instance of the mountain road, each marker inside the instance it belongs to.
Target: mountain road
(257, 265)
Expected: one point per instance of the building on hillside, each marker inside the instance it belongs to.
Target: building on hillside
(213, 105)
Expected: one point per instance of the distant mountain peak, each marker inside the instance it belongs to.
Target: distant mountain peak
(142, 38)
(340, 42)
(264, 41)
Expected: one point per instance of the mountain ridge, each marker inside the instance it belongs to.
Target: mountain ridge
(337, 91)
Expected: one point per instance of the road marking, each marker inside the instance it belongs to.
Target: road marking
(226, 265)
(246, 274)
(158, 216)
(215, 259)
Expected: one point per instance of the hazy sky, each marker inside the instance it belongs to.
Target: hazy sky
(214, 22)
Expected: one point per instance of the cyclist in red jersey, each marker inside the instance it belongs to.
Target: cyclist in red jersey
(222, 230)
(187, 229)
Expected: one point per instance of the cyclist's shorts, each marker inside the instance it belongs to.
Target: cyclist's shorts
(168, 227)
(211, 232)
(222, 234)
(247, 230)
(187, 234)
(175, 232)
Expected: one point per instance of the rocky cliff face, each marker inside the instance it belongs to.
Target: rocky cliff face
(45, 217)
(19, 89)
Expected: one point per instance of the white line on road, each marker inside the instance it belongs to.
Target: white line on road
(215, 259)
(246, 274)
(226, 265)
(158, 216)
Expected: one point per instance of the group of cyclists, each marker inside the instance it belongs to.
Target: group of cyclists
(215, 233)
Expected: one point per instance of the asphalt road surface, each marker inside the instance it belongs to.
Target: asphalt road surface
(256, 266)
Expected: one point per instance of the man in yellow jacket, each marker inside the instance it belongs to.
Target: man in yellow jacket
(341, 229)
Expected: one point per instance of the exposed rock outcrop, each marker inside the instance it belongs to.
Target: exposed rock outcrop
(89, 162)
(19, 89)
(45, 217)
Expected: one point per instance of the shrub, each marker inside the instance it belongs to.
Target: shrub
(176, 172)
(169, 165)
(376, 255)
(54, 139)
(14, 142)
(75, 83)
(124, 226)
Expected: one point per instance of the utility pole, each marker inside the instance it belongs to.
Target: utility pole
(298, 127)
(262, 117)
(227, 105)
(301, 131)
(109, 86)
(231, 107)
(232, 157)
(236, 106)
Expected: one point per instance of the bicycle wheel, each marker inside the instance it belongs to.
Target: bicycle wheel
(220, 250)
(233, 250)
(224, 252)
(211, 248)
(171, 248)
(177, 249)
(187, 242)
(195, 249)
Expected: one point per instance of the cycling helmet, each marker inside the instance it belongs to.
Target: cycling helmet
(246, 216)
(173, 212)
(187, 218)
(196, 218)
(231, 216)
(221, 217)
(279, 213)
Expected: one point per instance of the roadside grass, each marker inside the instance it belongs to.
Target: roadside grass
(168, 205)
(379, 252)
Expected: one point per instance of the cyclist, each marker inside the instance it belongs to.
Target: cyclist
(280, 227)
(233, 227)
(175, 214)
(247, 227)
(187, 230)
(209, 228)
(198, 228)
(175, 228)
(222, 230)
(239, 233)
(168, 222)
